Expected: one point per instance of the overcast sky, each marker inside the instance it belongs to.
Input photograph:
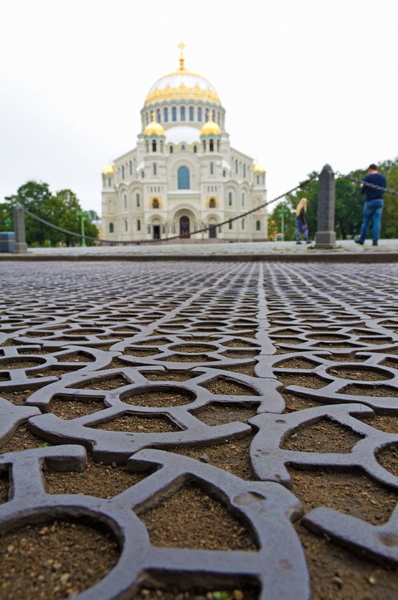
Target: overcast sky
(303, 83)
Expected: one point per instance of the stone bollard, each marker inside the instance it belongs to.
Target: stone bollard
(326, 236)
(19, 228)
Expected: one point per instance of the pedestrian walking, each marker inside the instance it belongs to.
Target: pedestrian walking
(301, 221)
(373, 205)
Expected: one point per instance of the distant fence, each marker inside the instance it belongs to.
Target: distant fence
(325, 235)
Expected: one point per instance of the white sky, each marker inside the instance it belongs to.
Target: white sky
(303, 83)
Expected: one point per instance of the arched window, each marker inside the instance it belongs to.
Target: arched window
(199, 114)
(125, 200)
(171, 149)
(155, 203)
(161, 145)
(111, 228)
(122, 171)
(142, 174)
(258, 225)
(211, 145)
(126, 226)
(236, 166)
(211, 168)
(174, 113)
(137, 200)
(195, 149)
(218, 145)
(153, 145)
(243, 223)
(204, 145)
(166, 115)
(213, 115)
(109, 181)
(243, 198)
(155, 168)
(182, 146)
(212, 203)
(229, 198)
(244, 170)
(224, 173)
(131, 167)
(158, 115)
(206, 115)
(191, 113)
(138, 225)
(230, 225)
(182, 113)
(183, 178)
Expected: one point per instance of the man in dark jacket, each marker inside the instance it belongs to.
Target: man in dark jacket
(373, 206)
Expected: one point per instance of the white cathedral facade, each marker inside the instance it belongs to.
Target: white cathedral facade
(183, 176)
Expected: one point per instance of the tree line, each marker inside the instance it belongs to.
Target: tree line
(61, 209)
(349, 206)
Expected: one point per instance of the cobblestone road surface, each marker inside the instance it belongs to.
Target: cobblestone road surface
(133, 363)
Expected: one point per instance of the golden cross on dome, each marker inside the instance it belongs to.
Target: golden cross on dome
(181, 46)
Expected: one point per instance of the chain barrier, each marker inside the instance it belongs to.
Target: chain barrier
(88, 237)
(301, 185)
(372, 185)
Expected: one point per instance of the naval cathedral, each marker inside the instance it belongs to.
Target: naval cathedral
(183, 175)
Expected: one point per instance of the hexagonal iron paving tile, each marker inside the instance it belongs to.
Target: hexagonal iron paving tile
(127, 361)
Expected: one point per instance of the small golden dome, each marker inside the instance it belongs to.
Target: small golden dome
(210, 128)
(257, 168)
(109, 170)
(154, 128)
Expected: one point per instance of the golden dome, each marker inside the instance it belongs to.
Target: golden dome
(182, 84)
(210, 128)
(109, 170)
(154, 128)
(257, 168)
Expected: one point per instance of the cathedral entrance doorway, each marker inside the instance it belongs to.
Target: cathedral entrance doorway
(184, 226)
(212, 231)
(156, 232)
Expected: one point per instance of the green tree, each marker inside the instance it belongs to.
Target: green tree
(282, 221)
(349, 208)
(354, 201)
(349, 203)
(92, 216)
(389, 224)
(36, 198)
(5, 217)
(60, 210)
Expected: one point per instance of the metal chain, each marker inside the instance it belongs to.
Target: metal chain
(55, 226)
(301, 185)
(372, 185)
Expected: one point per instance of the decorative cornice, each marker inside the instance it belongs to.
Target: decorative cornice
(182, 91)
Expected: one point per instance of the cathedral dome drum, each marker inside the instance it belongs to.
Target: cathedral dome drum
(182, 98)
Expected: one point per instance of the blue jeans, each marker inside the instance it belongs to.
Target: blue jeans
(372, 210)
